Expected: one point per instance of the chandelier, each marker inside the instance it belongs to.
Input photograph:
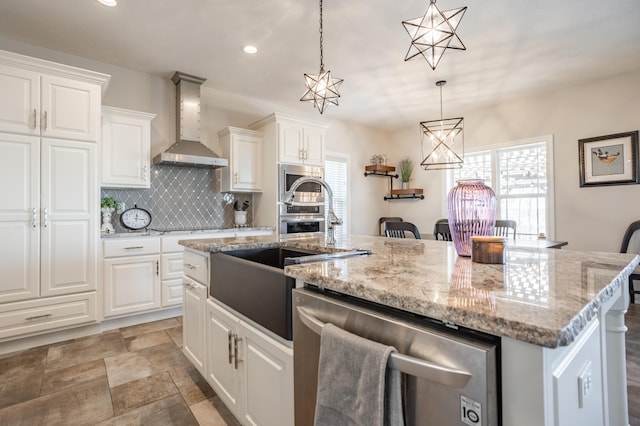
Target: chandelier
(433, 33)
(322, 88)
(445, 138)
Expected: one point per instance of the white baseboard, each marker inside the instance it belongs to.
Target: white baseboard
(29, 342)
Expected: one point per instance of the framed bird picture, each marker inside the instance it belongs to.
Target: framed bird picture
(609, 160)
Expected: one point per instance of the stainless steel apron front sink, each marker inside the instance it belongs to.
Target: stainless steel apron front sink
(253, 283)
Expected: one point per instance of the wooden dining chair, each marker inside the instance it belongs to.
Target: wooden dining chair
(505, 228)
(635, 248)
(441, 230)
(382, 220)
(399, 229)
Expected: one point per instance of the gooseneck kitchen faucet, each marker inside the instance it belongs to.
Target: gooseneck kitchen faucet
(332, 218)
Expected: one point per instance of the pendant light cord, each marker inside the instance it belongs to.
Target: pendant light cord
(321, 39)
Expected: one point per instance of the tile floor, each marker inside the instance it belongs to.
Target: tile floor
(132, 376)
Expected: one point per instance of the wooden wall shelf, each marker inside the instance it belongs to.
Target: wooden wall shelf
(398, 194)
(394, 194)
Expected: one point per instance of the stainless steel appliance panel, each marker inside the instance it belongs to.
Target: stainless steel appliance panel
(301, 224)
(432, 402)
(309, 192)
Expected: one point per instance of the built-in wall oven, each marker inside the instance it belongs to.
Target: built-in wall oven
(449, 377)
(307, 218)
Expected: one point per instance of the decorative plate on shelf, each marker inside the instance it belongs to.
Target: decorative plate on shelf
(135, 218)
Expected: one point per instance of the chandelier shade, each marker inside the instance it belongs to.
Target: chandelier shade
(444, 139)
(322, 88)
(434, 33)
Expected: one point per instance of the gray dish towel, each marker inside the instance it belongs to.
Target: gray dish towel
(355, 387)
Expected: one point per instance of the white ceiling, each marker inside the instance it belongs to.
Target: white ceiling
(514, 47)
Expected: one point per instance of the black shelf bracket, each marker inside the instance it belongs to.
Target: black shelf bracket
(403, 196)
(386, 174)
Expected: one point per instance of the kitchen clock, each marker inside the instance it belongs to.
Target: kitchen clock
(135, 218)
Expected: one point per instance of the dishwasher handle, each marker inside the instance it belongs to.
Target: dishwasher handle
(424, 369)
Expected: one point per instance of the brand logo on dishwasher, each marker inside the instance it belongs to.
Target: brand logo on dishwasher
(470, 411)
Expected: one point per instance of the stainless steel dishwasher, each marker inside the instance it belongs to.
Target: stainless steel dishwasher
(450, 377)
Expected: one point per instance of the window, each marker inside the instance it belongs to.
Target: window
(521, 175)
(336, 172)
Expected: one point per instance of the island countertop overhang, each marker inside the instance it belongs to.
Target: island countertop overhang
(545, 297)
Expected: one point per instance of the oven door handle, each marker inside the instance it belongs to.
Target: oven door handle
(430, 371)
(302, 219)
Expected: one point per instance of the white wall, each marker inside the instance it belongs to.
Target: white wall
(593, 218)
(156, 94)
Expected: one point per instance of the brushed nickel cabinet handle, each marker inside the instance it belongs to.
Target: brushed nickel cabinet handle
(35, 118)
(45, 120)
(34, 213)
(45, 217)
(230, 349)
(38, 317)
(145, 172)
(236, 339)
(133, 247)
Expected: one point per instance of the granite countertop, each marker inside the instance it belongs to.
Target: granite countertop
(541, 296)
(190, 232)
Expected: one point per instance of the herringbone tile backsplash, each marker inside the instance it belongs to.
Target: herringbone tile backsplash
(181, 198)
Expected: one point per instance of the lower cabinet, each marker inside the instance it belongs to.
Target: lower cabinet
(194, 299)
(250, 371)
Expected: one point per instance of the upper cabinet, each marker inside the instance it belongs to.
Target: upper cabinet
(299, 141)
(126, 148)
(243, 148)
(45, 99)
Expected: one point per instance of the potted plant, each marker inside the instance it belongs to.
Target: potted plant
(107, 205)
(406, 169)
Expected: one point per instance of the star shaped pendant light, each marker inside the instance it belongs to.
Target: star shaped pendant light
(446, 139)
(433, 33)
(322, 88)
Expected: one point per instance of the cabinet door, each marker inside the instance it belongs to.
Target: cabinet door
(290, 143)
(268, 385)
(126, 151)
(19, 103)
(222, 375)
(131, 284)
(69, 227)
(194, 298)
(314, 146)
(19, 217)
(70, 109)
(247, 162)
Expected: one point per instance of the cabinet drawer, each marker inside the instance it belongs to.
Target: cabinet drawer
(35, 316)
(171, 266)
(172, 292)
(131, 246)
(196, 266)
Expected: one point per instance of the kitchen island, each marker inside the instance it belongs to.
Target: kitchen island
(559, 313)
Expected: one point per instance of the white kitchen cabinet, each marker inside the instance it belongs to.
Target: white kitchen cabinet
(48, 217)
(243, 148)
(126, 148)
(300, 143)
(131, 271)
(194, 298)
(46, 99)
(296, 140)
(251, 372)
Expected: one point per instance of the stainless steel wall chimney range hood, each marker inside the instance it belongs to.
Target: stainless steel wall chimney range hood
(188, 150)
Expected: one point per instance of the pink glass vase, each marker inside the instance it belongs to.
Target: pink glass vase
(472, 211)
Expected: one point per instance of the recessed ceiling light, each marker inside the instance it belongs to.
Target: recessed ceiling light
(249, 49)
(110, 3)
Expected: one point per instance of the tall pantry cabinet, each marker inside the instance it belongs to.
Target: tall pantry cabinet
(49, 132)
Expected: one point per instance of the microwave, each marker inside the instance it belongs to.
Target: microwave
(308, 192)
